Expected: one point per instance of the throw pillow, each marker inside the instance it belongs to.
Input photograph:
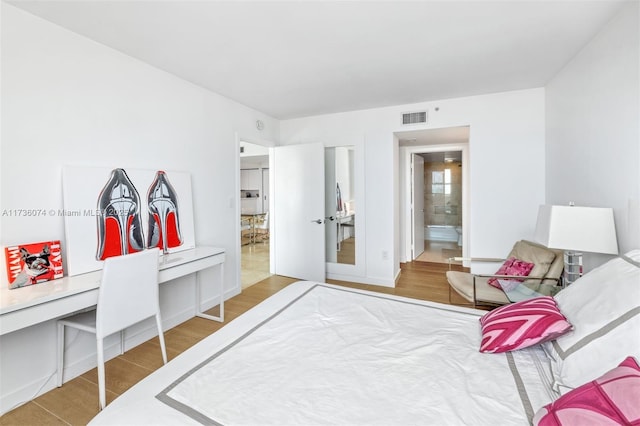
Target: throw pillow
(523, 324)
(611, 399)
(512, 266)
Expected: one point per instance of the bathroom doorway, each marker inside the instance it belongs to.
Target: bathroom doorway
(442, 201)
(434, 193)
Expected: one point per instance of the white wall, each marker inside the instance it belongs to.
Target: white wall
(593, 133)
(67, 100)
(507, 181)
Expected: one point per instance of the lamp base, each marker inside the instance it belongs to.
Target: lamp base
(572, 267)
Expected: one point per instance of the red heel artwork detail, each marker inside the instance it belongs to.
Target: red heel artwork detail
(119, 223)
(164, 224)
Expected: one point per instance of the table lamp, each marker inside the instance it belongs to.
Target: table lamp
(575, 230)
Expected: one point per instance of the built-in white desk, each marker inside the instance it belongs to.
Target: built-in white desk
(26, 306)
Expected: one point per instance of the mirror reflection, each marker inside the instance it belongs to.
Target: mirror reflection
(340, 214)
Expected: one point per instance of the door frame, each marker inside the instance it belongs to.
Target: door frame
(408, 188)
(237, 208)
(414, 239)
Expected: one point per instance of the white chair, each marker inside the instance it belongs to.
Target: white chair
(246, 230)
(128, 294)
(262, 228)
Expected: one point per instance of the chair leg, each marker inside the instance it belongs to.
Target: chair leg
(101, 378)
(121, 342)
(60, 355)
(161, 338)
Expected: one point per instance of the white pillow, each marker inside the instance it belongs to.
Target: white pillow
(604, 308)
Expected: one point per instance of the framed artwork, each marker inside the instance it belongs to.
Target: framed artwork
(115, 211)
(34, 263)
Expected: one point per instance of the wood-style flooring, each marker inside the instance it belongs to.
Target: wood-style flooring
(76, 402)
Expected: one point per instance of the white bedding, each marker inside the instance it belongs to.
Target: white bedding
(320, 354)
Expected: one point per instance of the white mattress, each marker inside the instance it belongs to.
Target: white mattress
(320, 354)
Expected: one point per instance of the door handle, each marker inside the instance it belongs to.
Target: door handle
(331, 218)
(318, 221)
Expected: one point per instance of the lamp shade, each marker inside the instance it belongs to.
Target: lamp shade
(588, 229)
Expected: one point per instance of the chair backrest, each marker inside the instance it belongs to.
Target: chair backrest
(265, 222)
(548, 263)
(128, 291)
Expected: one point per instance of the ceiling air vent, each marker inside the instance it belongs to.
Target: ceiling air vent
(414, 117)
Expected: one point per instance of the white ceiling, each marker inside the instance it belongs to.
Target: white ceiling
(293, 59)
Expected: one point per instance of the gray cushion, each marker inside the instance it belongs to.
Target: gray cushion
(462, 283)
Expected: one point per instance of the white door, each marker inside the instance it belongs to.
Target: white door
(417, 194)
(298, 217)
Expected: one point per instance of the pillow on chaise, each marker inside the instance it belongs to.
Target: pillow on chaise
(512, 266)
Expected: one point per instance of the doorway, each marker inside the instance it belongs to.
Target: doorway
(254, 218)
(442, 201)
(434, 194)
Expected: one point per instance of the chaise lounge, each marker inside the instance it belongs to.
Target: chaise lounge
(543, 279)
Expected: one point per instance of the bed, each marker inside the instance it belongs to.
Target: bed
(315, 353)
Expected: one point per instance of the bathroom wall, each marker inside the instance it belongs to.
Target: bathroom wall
(443, 196)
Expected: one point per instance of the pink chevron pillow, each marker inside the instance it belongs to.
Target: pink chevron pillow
(612, 399)
(512, 266)
(522, 324)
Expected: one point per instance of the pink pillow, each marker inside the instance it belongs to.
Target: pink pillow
(522, 324)
(612, 399)
(512, 266)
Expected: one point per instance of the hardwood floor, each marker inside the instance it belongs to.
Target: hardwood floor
(76, 402)
(347, 252)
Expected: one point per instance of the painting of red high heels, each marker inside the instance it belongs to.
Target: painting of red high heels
(119, 223)
(116, 211)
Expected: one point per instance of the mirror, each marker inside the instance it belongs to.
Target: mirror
(340, 216)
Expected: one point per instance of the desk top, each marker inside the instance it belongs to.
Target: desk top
(345, 217)
(25, 297)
